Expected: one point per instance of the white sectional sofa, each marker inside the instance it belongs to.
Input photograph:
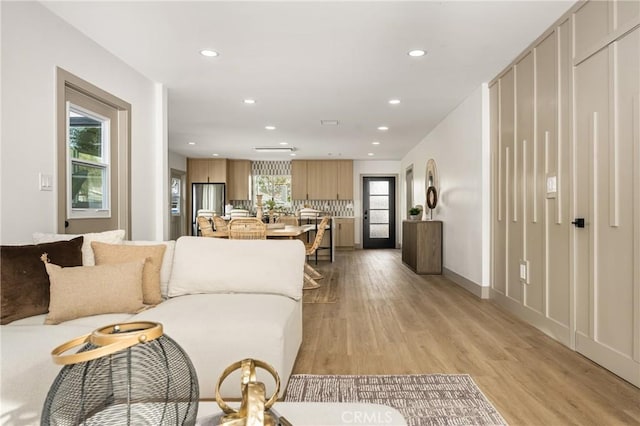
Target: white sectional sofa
(225, 301)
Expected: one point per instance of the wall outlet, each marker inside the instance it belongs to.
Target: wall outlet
(524, 271)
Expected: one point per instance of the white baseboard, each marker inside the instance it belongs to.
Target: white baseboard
(609, 358)
(548, 326)
(473, 288)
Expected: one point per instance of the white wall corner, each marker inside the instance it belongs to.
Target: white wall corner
(486, 186)
(161, 186)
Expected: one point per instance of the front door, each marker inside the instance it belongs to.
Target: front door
(379, 212)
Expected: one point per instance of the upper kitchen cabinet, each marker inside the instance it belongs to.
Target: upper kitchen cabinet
(299, 179)
(322, 179)
(345, 180)
(206, 170)
(238, 179)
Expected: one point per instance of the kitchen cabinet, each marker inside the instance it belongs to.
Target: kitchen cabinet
(422, 245)
(344, 232)
(345, 180)
(238, 179)
(322, 179)
(299, 179)
(203, 170)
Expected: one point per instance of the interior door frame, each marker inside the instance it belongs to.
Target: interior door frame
(183, 200)
(122, 190)
(398, 223)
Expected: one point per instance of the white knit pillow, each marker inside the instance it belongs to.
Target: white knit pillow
(110, 237)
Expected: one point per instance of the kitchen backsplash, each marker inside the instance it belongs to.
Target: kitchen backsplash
(333, 207)
(283, 168)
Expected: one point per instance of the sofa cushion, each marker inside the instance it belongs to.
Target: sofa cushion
(24, 280)
(111, 237)
(218, 265)
(167, 261)
(91, 290)
(216, 330)
(118, 253)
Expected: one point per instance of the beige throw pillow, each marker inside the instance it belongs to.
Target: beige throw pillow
(117, 253)
(92, 290)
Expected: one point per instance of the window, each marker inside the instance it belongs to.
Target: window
(176, 189)
(275, 189)
(88, 171)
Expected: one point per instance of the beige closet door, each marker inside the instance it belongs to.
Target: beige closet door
(607, 249)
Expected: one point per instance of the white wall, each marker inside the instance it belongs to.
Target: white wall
(459, 145)
(34, 43)
(373, 168)
(177, 161)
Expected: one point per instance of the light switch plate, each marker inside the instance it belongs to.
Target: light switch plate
(45, 182)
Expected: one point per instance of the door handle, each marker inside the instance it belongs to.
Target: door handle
(579, 222)
(66, 223)
(365, 213)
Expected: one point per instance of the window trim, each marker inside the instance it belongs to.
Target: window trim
(122, 214)
(105, 164)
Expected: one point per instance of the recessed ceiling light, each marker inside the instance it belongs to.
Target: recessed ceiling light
(293, 154)
(370, 154)
(270, 127)
(208, 52)
(375, 143)
(249, 101)
(284, 143)
(394, 101)
(383, 128)
(191, 143)
(215, 155)
(417, 52)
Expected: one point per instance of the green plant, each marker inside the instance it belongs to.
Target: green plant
(414, 211)
(271, 204)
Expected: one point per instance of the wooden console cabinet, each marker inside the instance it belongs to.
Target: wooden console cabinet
(422, 245)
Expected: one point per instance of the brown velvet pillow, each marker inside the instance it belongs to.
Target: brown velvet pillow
(24, 282)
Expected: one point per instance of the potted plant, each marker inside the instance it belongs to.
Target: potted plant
(414, 213)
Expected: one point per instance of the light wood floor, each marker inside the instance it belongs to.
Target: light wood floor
(389, 320)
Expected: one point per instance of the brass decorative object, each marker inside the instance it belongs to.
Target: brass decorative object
(254, 408)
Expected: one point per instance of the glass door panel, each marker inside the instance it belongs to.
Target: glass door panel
(379, 212)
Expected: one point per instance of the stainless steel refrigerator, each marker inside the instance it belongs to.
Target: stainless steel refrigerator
(207, 200)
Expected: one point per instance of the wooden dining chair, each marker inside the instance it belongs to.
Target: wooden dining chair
(247, 228)
(287, 220)
(310, 274)
(220, 224)
(206, 230)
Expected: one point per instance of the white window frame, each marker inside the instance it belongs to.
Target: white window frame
(86, 213)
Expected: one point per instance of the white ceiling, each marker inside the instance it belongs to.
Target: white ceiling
(308, 61)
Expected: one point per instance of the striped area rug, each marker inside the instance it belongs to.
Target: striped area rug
(423, 399)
